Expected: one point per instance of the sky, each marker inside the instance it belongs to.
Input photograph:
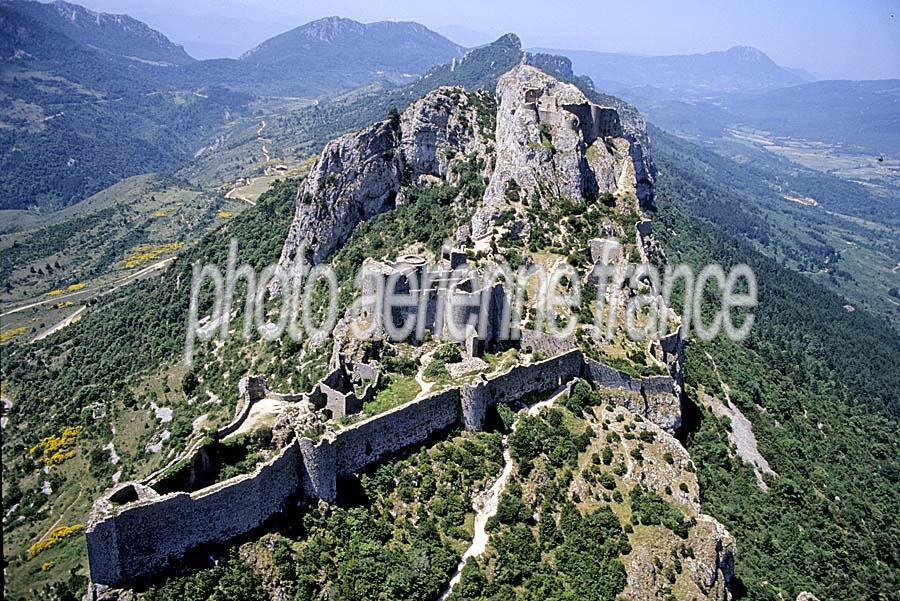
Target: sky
(830, 38)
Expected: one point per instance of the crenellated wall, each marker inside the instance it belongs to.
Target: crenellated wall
(135, 533)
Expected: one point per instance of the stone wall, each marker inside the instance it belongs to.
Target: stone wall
(135, 533)
(336, 391)
(369, 441)
(518, 382)
(129, 544)
(250, 390)
(545, 344)
(658, 398)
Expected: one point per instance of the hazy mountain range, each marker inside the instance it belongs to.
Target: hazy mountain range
(738, 69)
(112, 97)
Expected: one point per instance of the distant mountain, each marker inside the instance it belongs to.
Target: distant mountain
(864, 115)
(851, 113)
(92, 98)
(739, 69)
(76, 118)
(403, 47)
(335, 54)
(116, 34)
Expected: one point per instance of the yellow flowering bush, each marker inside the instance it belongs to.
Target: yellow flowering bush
(11, 333)
(58, 448)
(147, 253)
(54, 538)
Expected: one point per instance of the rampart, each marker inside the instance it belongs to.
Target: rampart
(135, 533)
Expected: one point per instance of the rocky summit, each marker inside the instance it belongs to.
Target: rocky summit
(536, 143)
(364, 314)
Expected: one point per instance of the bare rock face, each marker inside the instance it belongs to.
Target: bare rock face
(551, 143)
(436, 129)
(359, 175)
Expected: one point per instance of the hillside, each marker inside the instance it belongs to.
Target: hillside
(817, 385)
(295, 133)
(119, 35)
(433, 465)
(738, 69)
(465, 163)
(113, 98)
(78, 119)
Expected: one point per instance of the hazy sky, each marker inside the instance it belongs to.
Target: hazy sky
(831, 38)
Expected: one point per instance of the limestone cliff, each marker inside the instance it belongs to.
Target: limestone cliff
(356, 177)
(359, 175)
(549, 141)
(435, 130)
(552, 142)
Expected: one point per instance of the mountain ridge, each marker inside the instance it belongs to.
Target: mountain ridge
(739, 68)
(117, 34)
(336, 34)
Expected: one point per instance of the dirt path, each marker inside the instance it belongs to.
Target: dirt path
(267, 158)
(487, 502)
(116, 284)
(56, 328)
(420, 379)
(7, 405)
(62, 514)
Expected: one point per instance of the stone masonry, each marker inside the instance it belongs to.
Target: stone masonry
(135, 533)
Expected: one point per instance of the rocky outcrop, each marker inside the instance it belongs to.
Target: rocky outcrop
(554, 64)
(359, 175)
(439, 127)
(662, 564)
(551, 142)
(356, 177)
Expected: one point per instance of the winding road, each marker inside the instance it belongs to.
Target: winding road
(116, 284)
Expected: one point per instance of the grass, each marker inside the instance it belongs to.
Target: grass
(400, 389)
(87, 242)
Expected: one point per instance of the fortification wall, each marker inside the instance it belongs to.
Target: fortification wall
(602, 375)
(369, 441)
(519, 381)
(657, 398)
(250, 390)
(318, 479)
(129, 544)
(545, 344)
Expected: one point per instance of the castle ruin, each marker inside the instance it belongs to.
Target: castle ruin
(138, 529)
